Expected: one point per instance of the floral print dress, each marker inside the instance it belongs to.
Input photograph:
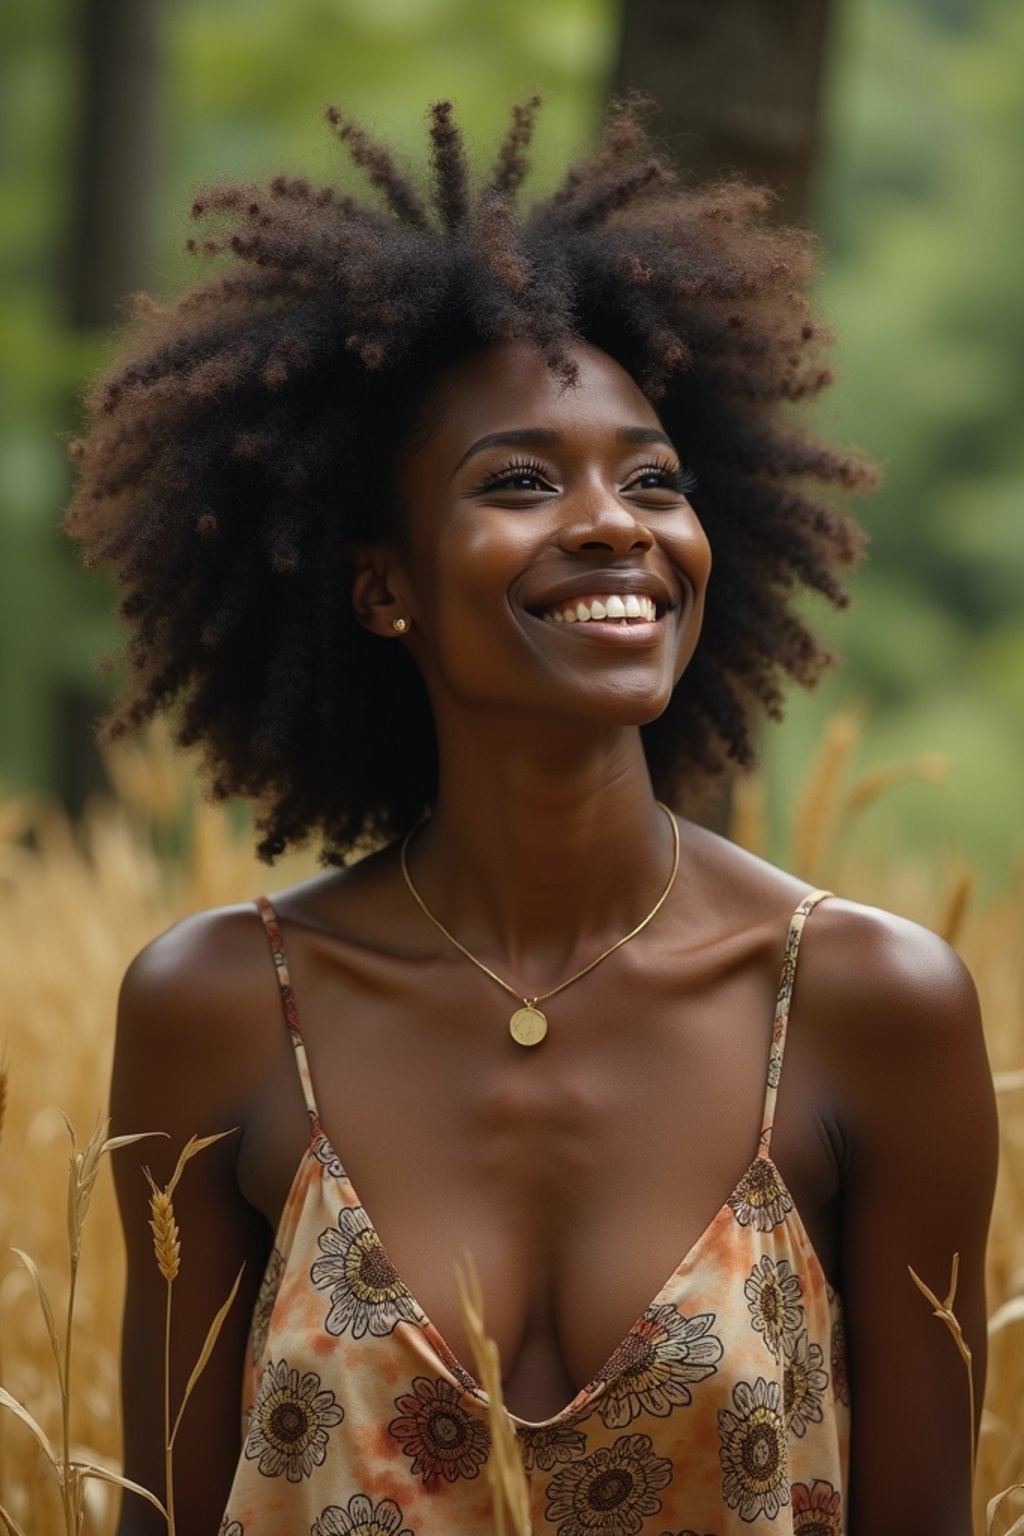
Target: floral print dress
(725, 1409)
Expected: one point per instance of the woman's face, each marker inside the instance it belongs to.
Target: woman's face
(551, 562)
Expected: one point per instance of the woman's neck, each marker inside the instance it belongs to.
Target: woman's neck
(537, 857)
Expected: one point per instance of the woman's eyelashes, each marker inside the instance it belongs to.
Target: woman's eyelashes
(663, 476)
(519, 475)
(528, 476)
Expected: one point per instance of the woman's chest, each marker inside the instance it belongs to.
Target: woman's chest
(577, 1174)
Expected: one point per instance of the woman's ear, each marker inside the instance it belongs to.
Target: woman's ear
(376, 591)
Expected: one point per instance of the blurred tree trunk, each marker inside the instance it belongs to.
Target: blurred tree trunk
(108, 256)
(114, 157)
(739, 84)
(739, 87)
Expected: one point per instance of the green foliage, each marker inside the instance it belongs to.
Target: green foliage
(922, 221)
(242, 90)
(920, 211)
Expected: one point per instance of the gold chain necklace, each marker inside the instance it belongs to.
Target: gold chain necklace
(528, 1025)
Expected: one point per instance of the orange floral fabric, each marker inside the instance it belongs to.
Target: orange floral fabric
(725, 1409)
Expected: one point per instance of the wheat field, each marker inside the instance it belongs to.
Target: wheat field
(77, 901)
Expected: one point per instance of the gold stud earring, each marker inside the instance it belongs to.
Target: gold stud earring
(400, 625)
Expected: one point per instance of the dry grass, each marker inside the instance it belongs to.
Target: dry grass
(824, 848)
(77, 902)
(167, 1252)
(510, 1493)
(73, 909)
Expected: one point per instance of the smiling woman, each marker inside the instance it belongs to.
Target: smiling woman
(498, 547)
(416, 513)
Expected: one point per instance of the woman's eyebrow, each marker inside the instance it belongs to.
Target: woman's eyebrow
(545, 437)
(645, 435)
(522, 437)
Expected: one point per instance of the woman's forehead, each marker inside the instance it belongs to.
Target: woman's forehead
(510, 388)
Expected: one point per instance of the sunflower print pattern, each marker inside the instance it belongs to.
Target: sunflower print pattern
(760, 1199)
(543, 1447)
(361, 1517)
(264, 1308)
(773, 1299)
(654, 1368)
(804, 1384)
(441, 1437)
(366, 1292)
(724, 1411)
(289, 1427)
(325, 1154)
(610, 1492)
(817, 1510)
(753, 1451)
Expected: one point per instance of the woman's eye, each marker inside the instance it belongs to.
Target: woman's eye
(663, 477)
(521, 480)
(516, 477)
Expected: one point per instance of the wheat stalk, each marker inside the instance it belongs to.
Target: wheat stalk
(167, 1252)
(932, 767)
(944, 1311)
(166, 1236)
(994, 1507)
(71, 1473)
(958, 900)
(510, 1492)
(817, 806)
(747, 817)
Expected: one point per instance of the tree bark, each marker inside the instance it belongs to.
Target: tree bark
(739, 84)
(113, 161)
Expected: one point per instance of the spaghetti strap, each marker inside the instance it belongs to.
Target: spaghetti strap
(291, 1013)
(781, 1021)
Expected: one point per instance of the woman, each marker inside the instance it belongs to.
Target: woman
(416, 512)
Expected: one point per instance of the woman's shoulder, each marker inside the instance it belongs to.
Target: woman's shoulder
(872, 965)
(199, 1025)
(221, 950)
(897, 1029)
(857, 957)
(199, 1014)
(199, 961)
(868, 978)
(214, 969)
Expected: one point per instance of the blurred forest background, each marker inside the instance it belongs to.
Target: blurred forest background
(916, 194)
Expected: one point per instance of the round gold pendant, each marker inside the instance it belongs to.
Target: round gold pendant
(528, 1026)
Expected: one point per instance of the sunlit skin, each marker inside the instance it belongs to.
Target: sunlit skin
(579, 1174)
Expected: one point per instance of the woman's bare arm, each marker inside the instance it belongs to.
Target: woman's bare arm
(917, 1105)
(198, 1021)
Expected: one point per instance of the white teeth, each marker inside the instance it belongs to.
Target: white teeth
(610, 607)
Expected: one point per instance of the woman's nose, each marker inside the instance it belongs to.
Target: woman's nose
(598, 520)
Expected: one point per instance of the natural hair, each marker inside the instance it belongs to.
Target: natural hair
(235, 453)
